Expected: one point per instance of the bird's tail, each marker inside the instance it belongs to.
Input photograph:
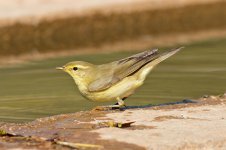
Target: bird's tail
(158, 58)
(164, 56)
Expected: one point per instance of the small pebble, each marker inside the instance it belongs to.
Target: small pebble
(182, 116)
(205, 96)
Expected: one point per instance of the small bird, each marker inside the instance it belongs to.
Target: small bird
(114, 81)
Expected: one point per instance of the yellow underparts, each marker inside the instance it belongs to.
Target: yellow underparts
(122, 89)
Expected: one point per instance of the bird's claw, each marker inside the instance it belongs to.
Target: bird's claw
(109, 107)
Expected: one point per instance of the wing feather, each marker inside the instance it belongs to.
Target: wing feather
(122, 69)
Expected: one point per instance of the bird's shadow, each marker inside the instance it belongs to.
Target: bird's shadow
(185, 101)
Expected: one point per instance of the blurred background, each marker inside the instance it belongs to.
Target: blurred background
(38, 35)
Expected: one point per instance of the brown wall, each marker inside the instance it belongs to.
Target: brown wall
(94, 30)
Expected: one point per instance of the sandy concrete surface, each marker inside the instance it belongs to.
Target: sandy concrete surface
(186, 128)
(189, 124)
(34, 10)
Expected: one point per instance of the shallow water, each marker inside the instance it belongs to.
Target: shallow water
(36, 89)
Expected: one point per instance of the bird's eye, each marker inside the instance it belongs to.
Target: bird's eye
(75, 68)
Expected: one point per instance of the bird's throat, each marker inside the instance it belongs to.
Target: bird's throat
(83, 88)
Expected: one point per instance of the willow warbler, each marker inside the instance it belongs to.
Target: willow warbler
(115, 80)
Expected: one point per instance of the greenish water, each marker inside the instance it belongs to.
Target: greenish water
(36, 89)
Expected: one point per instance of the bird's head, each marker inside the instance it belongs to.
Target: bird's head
(79, 70)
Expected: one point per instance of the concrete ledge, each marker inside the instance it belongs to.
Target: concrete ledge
(189, 124)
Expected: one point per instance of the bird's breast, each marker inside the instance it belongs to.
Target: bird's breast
(124, 88)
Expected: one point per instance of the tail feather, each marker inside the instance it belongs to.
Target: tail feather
(144, 71)
(164, 56)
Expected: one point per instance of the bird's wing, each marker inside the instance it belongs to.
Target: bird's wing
(122, 68)
(126, 67)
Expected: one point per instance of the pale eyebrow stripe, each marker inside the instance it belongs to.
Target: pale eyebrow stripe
(83, 67)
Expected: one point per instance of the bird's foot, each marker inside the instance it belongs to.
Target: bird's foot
(108, 107)
(120, 105)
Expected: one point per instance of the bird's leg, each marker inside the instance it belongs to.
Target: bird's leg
(118, 105)
(123, 99)
(121, 103)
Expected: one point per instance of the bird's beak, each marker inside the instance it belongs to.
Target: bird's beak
(59, 68)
